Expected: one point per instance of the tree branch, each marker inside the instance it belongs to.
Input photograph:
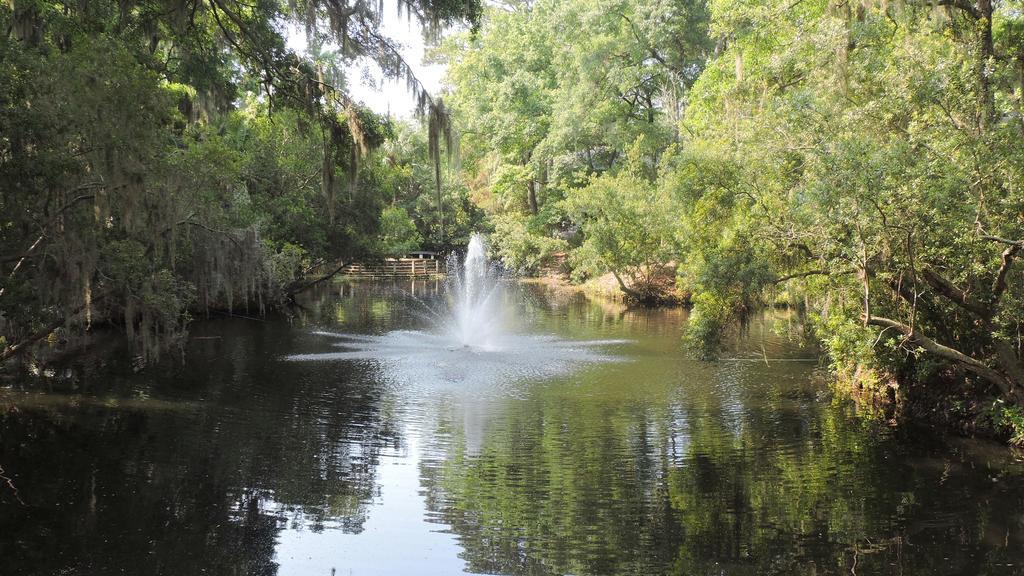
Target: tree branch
(53, 219)
(299, 286)
(214, 231)
(956, 294)
(921, 300)
(25, 343)
(1002, 240)
(807, 273)
(1006, 261)
(929, 345)
(964, 5)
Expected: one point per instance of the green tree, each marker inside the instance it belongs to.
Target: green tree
(157, 158)
(628, 223)
(550, 93)
(873, 166)
(398, 232)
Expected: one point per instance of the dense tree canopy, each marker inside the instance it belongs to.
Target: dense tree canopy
(861, 160)
(542, 106)
(158, 157)
(876, 160)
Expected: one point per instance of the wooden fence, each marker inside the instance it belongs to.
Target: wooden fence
(394, 268)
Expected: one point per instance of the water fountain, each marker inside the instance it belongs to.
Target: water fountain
(474, 294)
(470, 342)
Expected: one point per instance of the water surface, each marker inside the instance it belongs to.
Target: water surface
(272, 450)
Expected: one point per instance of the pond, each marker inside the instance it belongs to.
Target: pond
(607, 450)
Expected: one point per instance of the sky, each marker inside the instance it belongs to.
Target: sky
(391, 96)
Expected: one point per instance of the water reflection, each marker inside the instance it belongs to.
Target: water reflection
(695, 486)
(240, 462)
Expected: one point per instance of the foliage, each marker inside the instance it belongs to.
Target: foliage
(398, 232)
(628, 226)
(157, 157)
(545, 107)
(863, 158)
(1011, 418)
(406, 171)
(871, 166)
(521, 250)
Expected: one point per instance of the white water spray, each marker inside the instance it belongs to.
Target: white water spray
(471, 342)
(474, 293)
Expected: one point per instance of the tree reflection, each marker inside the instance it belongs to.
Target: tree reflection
(742, 472)
(196, 470)
(660, 465)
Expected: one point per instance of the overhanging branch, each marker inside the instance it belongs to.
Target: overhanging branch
(807, 273)
(943, 351)
(1006, 261)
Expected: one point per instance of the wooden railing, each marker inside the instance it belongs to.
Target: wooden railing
(394, 268)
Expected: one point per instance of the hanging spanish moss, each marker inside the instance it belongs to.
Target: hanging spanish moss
(355, 26)
(439, 130)
(167, 160)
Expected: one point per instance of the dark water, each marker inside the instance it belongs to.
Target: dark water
(241, 462)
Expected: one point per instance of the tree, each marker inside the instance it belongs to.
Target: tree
(398, 232)
(142, 174)
(628, 225)
(544, 107)
(873, 152)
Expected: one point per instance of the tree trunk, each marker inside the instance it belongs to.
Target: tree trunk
(1020, 88)
(626, 289)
